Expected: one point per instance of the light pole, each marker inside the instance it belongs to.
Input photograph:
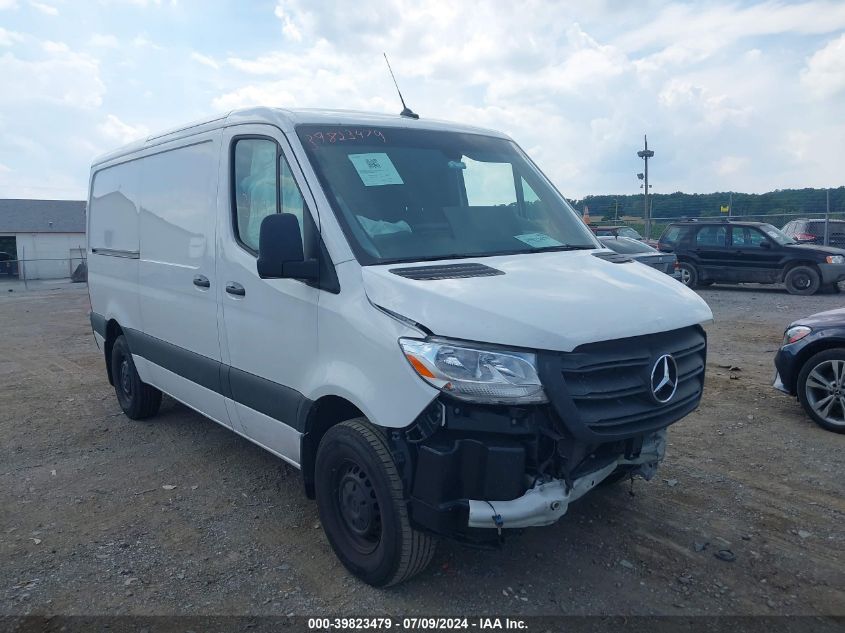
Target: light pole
(645, 154)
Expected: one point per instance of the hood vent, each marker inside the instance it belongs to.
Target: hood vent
(448, 271)
(613, 258)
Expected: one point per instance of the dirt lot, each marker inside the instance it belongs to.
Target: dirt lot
(87, 527)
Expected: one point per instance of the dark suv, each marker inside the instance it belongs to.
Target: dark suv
(812, 232)
(733, 252)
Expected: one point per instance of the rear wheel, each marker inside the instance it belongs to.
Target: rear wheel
(802, 280)
(362, 506)
(821, 389)
(137, 399)
(689, 274)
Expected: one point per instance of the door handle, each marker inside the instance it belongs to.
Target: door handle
(201, 281)
(236, 289)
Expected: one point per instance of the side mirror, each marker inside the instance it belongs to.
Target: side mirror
(765, 244)
(280, 254)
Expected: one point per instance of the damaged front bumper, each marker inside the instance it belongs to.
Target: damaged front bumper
(544, 503)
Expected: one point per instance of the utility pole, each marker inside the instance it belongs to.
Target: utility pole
(731, 204)
(645, 154)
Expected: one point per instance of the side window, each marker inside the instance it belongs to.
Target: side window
(256, 186)
(489, 184)
(261, 189)
(711, 236)
(788, 229)
(671, 235)
(745, 237)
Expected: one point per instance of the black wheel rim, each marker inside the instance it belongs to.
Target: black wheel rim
(125, 376)
(801, 281)
(356, 506)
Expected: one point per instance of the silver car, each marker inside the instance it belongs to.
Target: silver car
(643, 253)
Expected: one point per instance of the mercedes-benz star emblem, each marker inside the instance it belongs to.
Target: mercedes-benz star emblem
(664, 379)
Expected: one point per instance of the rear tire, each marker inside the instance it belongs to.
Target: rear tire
(137, 399)
(802, 280)
(821, 379)
(362, 506)
(689, 274)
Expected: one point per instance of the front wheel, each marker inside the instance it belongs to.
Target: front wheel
(689, 274)
(821, 389)
(362, 507)
(802, 280)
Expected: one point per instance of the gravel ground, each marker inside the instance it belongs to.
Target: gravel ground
(103, 515)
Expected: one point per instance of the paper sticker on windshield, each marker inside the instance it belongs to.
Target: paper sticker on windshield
(375, 170)
(538, 240)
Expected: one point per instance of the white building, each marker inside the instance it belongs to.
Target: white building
(46, 237)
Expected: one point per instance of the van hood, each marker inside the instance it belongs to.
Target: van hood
(549, 301)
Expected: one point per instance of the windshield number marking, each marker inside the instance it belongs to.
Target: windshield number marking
(333, 137)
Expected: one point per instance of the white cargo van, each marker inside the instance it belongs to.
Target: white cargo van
(406, 310)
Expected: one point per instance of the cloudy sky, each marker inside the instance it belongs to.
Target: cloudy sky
(733, 95)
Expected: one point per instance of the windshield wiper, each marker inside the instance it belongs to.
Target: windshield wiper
(563, 247)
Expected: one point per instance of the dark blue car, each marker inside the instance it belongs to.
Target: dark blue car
(811, 365)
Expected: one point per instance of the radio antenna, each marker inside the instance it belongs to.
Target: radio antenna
(406, 111)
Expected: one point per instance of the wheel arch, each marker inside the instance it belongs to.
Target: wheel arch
(821, 345)
(323, 414)
(801, 262)
(113, 330)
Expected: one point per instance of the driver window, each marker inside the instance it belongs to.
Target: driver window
(255, 185)
(745, 237)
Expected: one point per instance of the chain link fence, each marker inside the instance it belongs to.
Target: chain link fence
(27, 271)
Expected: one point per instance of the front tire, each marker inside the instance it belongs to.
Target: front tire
(689, 274)
(137, 399)
(362, 507)
(821, 389)
(802, 280)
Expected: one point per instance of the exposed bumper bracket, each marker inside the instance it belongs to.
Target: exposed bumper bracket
(546, 502)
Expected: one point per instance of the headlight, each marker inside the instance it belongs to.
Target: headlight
(835, 259)
(473, 372)
(795, 334)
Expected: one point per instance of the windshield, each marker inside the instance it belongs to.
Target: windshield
(626, 245)
(411, 195)
(776, 234)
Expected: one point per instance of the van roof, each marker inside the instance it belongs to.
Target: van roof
(286, 119)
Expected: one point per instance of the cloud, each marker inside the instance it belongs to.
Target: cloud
(45, 9)
(115, 129)
(713, 109)
(9, 38)
(8, 4)
(729, 165)
(100, 40)
(142, 41)
(824, 74)
(205, 60)
(62, 77)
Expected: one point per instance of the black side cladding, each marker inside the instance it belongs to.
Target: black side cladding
(448, 271)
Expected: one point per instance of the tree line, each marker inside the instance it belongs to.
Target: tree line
(677, 205)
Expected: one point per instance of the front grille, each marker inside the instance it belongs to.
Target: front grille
(602, 391)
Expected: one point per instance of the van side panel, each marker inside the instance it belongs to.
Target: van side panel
(113, 243)
(177, 280)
